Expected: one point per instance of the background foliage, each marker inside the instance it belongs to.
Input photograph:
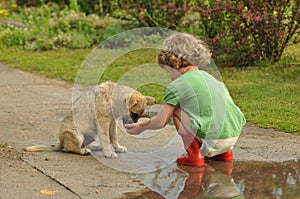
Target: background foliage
(49, 27)
(240, 33)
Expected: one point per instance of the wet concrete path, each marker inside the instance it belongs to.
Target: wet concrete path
(31, 112)
(223, 180)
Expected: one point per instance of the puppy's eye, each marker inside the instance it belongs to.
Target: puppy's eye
(134, 116)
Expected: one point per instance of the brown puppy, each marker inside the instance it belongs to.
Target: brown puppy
(93, 118)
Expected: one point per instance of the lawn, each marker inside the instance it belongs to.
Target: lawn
(268, 96)
(60, 64)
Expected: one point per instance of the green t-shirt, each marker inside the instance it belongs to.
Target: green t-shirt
(213, 114)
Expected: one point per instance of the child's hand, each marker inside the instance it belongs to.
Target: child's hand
(133, 128)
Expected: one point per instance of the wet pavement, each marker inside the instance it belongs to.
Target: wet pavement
(223, 180)
(32, 109)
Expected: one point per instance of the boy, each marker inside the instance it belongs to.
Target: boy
(204, 114)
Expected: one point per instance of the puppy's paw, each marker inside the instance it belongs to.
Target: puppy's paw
(121, 149)
(110, 154)
(85, 151)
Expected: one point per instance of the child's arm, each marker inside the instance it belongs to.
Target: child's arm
(157, 122)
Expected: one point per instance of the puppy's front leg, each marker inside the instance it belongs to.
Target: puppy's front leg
(113, 134)
(104, 137)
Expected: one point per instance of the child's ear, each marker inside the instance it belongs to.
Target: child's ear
(150, 100)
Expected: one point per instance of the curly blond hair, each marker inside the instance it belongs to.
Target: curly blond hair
(182, 49)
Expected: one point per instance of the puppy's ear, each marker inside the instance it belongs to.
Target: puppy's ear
(130, 101)
(150, 100)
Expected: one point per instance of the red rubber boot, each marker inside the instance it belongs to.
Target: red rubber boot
(194, 155)
(226, 157)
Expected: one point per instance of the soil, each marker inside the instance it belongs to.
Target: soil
(31, 111)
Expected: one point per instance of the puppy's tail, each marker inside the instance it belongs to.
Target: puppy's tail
(43, 148)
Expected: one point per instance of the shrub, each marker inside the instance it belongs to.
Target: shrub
(49, 27)
(11, 35)
(239, 32)
(39, 2)
(243, 32)
(162, 13)
(99, 7)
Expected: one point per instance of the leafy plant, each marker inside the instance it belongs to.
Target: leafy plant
(49, 27)
(243, 32)
(99, 7)
(162, 13)
(73, 5)
(12, 35)
(239, 32)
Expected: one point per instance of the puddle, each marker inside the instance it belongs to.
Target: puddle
(239, 180)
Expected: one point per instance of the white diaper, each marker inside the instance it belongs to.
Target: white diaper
(211, 148)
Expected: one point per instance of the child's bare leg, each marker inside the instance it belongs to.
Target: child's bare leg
(182, 122)
(191, 144)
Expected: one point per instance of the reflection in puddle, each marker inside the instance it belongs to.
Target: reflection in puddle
(222, 180)
(268, 180)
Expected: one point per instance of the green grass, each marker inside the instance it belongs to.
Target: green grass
(56, 64)
(268, 96)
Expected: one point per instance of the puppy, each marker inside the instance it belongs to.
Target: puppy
(91, 122)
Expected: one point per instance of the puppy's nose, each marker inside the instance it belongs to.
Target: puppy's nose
(134, 116)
